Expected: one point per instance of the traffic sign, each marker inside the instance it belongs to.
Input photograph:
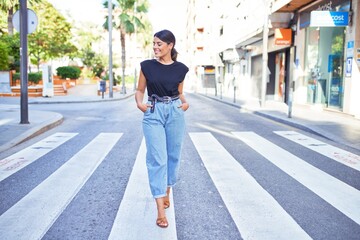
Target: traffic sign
(32, 21)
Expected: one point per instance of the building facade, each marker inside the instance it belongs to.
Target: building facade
(304, 50)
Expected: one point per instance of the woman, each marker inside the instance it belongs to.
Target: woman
(163, 123)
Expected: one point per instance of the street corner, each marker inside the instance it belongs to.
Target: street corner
(14, 132)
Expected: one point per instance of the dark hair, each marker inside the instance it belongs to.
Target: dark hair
(168, 37)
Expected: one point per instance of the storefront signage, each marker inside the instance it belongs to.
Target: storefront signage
(283, 36)
(348, 67)
(329, 19)
(350, 49)
(326, 5)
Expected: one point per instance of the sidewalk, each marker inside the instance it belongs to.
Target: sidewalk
(13, 133)
(336, 126)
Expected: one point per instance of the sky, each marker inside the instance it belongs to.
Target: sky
(163, 14)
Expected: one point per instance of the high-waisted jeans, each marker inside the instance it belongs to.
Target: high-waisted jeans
(164, 131)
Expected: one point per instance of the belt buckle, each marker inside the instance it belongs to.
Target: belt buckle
(166, 99)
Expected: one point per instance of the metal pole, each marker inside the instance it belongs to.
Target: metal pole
(111, 80)
(135, 49)
(265, 53)
(135, 77)
(291, 78)
(24, 114)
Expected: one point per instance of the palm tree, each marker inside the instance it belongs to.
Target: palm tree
(9, 7)
(129, 18)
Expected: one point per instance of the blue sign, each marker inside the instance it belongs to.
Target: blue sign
(350, 44)
(350, 49)
(348, 67)
(329, 19)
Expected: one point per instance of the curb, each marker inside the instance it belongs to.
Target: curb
(289, 122)
(82, 101)
(272, 117)
(35, 131)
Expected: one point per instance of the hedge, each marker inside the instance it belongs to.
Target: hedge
(32, 77)
(68, 72)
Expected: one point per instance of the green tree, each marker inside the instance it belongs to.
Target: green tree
(4, 56)
(9, 7)
(52, 38)
(130, 18)
(3, 23)
(93, 61)
(86, 35)
(12, 44)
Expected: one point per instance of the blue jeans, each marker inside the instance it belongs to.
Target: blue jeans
(164, 131)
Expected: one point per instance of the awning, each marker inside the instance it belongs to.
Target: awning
(250, 38)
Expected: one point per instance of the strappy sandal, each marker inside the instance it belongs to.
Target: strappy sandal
(166, 203)
(162, 222)
(167, 199)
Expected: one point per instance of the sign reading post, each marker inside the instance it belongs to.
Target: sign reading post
(329, 19)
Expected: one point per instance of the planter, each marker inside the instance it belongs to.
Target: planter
(67, 82)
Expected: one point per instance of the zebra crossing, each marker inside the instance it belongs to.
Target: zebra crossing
(340, 195)
(21, 159)
(255, 212)
(264, 218)
(51, 197)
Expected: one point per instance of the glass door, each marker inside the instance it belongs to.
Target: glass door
(324, 65)
(336, 68)
(312, 63)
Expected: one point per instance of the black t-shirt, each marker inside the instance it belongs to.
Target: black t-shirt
(161, 79)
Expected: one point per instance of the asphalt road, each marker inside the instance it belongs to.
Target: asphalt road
(241, 177)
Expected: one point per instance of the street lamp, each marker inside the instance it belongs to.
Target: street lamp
(111, 80)
(135, 49)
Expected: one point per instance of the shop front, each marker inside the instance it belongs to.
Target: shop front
(325, 36)
(278, 79)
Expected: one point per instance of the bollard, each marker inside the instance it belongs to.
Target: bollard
(102, 88)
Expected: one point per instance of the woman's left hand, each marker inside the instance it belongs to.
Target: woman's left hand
(184, 106)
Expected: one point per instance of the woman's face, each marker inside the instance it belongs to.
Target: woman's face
(161, 48)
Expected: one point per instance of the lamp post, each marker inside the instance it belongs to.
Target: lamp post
(111, 80)
(135, 49)
(265, 53)
(24, 113)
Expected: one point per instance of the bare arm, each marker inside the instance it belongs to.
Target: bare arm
(140, 91)
(184, 105)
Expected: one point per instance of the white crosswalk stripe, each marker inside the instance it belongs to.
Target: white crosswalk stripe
(21, 159)
(340, 195)
(347, 158)
(255, 212)
(34, 214)
(140, 224)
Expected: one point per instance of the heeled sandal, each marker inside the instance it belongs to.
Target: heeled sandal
(162, 222)
(166, 203)
(167, 199)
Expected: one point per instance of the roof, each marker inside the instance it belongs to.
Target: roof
(295, 5)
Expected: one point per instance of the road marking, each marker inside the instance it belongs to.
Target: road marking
(340, 195)
(255, 212)
(33, 215)
(347, 158)
(137, 213)
(21, 159)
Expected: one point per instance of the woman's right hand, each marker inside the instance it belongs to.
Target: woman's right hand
(144, 106)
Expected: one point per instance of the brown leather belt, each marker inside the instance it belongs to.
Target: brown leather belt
(165, 99)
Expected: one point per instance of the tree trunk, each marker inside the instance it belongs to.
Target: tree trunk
(10, 24)
(123, 59)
